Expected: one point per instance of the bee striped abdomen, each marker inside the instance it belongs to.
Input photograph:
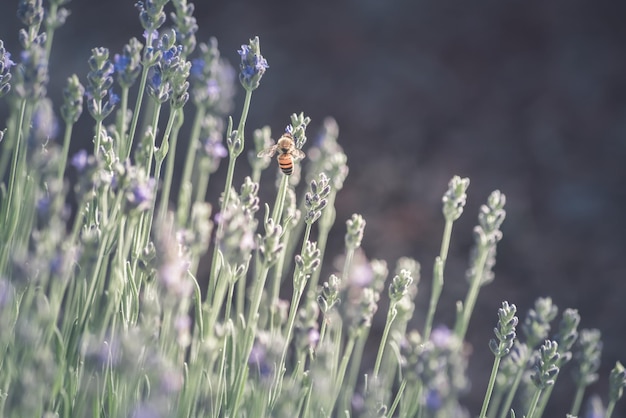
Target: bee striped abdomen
(285, 162)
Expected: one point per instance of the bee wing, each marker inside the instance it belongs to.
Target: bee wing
(298, 154)
(267, 152)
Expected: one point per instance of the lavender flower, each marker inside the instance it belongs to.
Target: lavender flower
(128, 64)
(80, 161)
(329, 294)
(354, 235)
(441, 366)
(5, 67)
(151, 14)
(252, 66)
(45, 125)
(455, 197)
(72, 100)
(546, 367)
(505, 331)
(315, 200)
(185, 25)
(212, 143)
(99, 82)
(212, 80)
(30, 12)
(32, 76)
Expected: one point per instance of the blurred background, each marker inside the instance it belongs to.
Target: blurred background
(528, 97)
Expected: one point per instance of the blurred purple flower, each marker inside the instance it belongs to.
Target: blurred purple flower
(80, 160)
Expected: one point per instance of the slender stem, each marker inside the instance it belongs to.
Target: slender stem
(545, 396)
(177, 121)
(202, 185)
(513, 388)
(609, 409)
(14, 164)
(578, 400)
(140, 93)
(50, 29)
(391, 315)
(325, 224)
(343, 366)
(65, 151)
(212, 283)
(533, 403)
(492, 382)
(277, 213)
(472, 295)
(397, 398)
(185, 184)
(228, 186)
(123, 147)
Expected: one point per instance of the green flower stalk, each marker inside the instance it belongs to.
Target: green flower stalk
(397, 290)
(55, 18)
(235, 138)
(505, 333)
(326, 157)
(487, 234)
(327, 299)
(587, 358)
(71, 110)
(545, 371)
(617, 383)
(127, 69)
(566, 336)
(536, 327)
(262, 141)
(306, 263)
(354, 234)
(453, 203)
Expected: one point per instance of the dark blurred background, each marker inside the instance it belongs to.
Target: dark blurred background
(528, 97)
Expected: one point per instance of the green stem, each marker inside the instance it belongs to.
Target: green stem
(185, 184)
(492, 382)
(14, 164)
(177, 121)
(397, 398)
(472, 295)
(277, 213)
(325, 224)
(215, 268)
(578, 400)
(504, 411)
(66, 147)
(123, 147)
(609, 409)
(140, 93)
(533, 403)
(343, 366)
(391, 315)
(229, 184)
(438, 270)
(50, 30)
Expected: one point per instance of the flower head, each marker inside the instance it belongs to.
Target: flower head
(5, 67)
(252, 66)
(80, 160)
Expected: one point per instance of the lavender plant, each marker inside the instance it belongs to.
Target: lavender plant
(104, 311)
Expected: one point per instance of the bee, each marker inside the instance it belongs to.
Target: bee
(287, 151)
